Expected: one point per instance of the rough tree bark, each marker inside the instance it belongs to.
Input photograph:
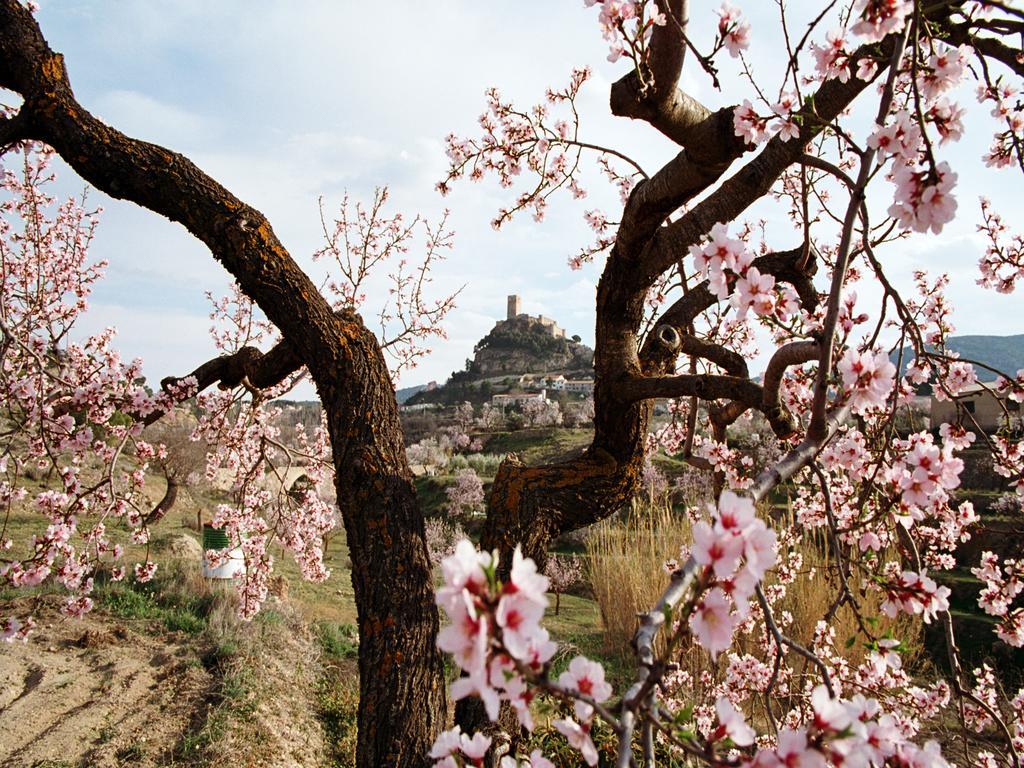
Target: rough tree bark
(402, 692)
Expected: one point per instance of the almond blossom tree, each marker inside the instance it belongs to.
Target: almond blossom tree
(849, 144)
(63, 402)
(316, 331)
(465, 495)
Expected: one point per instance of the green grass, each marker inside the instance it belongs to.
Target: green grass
(337, 702)
(234, 700)
(146, 603)
(540, 445)
(431, 494)
(337, 692)
(577, 630)
(340, 641)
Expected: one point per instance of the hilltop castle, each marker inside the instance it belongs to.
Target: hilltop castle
(515, 306)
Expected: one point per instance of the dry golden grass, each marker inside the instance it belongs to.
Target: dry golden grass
(816, 587)
(625, 566)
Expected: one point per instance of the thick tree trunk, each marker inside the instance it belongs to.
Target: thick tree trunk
(402, 697)
(402, 703)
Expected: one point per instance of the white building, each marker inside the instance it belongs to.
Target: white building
(556, 383)
(518, 398)
(583, 386)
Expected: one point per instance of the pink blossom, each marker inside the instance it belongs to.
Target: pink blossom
(464, 570)
(446, 743)
(748, 125)
(832, 59)
(145, 571)
(578, 737)
(712, 622)
(733, 30)
(718, 551)
(474, 748)
(923, 201)
(829, 713)
(880, 18)
(526, 581)
(586, 677)
(868, 377)
(754, 291)
(732, 724)
(793, 751)
(536, 760)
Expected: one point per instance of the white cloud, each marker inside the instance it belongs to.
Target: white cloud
(283, 104)
(144, 117)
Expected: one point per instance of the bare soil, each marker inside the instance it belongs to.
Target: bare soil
(95, 692)
(106, 692)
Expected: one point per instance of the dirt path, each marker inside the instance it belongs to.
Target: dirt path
(94, 692)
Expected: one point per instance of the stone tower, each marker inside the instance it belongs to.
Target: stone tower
(515, 307)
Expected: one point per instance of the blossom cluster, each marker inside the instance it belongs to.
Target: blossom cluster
(727, 264)
(496, 639)
(735, 550)
(544, 149)
(627, 26)
(362, 242)
(869, 377)
(1007, 108)
(1003, 582)
(1002, 264)
(248, 445)
(64, 399)
(465, 495)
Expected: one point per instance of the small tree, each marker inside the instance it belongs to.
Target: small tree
(578, 414)
(564, 572)
(183, 459)
(491, 417)
(465, 494)
(542, 413)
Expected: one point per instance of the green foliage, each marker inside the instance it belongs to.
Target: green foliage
(539, 445)
(484, 464)
(166, 600)
(337, 701)
(340, 641)
(532, 338)
(431, 495)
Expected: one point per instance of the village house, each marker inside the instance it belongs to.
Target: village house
(536, 381)
(518, 398)
(419, 407)
(582, 386)
(978, 404)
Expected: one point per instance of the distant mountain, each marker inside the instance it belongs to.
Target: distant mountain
(406, 392)
(1005, 353)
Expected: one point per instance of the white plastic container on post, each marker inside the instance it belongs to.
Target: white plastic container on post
(233, 566)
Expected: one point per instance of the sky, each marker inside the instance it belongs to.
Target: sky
(288, 103)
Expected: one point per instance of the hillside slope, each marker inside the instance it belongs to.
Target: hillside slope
(1005, 353)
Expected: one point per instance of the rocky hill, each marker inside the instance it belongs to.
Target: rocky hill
(523, 345)
(518, 345)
